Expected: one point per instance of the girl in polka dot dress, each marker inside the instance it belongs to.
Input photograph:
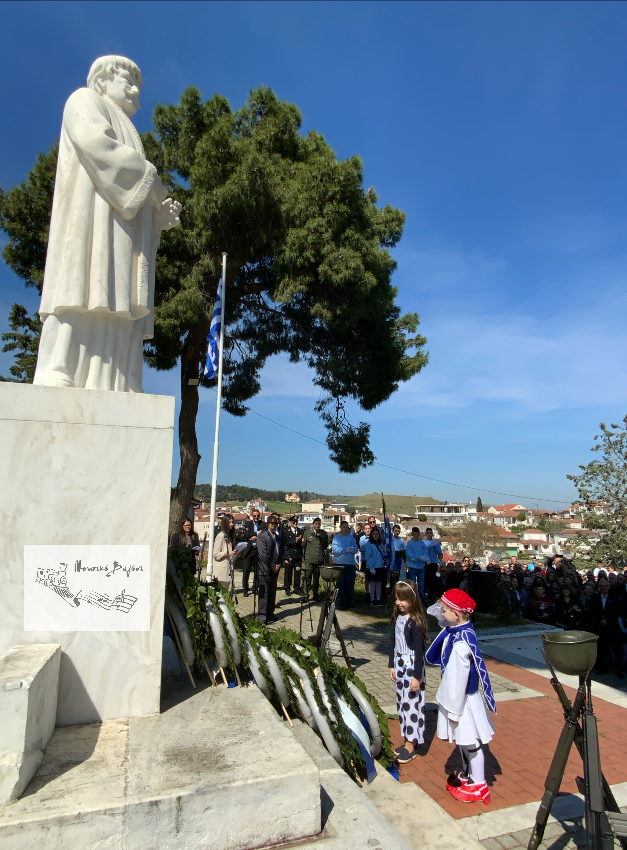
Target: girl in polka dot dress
(407, 666)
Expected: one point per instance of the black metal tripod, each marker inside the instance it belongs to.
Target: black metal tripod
(328, 620)
(603, 819)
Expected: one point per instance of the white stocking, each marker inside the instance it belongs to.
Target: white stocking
(475, 757)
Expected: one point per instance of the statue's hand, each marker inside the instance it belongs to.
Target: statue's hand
(169, 214)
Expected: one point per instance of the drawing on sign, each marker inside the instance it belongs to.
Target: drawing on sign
(87, 588)
(56, 579)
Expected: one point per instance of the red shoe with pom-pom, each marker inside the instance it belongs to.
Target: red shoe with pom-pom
(468, 793)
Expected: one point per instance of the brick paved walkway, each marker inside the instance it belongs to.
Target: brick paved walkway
(518, 758)
(527, 726)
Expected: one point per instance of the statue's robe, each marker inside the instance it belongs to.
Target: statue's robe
(98, 293)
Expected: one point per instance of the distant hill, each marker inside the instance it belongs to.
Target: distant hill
(239, 494)
(394, 504)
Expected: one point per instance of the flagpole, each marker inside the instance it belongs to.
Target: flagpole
(216, 444)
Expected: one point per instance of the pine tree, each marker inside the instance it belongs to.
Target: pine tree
(23, 339)
(479, 505)
(309, 268)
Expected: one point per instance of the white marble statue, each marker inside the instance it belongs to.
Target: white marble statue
(108, 212)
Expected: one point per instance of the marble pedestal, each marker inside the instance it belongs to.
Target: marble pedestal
(86, 467)
(219, 771)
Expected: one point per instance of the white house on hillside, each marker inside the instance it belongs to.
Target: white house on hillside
(256, 504)
(499, 509)
(330, 519)
(565, 540)
(448, 513)
(309, 507)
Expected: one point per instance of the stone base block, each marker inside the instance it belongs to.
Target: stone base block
(217, 772)
(29, 682)
(84, 469)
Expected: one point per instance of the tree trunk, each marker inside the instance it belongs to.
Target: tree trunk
(182, 494)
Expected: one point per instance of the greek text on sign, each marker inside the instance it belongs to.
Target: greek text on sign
(86, 588)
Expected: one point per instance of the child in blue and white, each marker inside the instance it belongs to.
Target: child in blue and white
(374, 553)
(417, 556)
(399, 546)
(463, 716)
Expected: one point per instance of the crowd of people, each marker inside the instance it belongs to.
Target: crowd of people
(553, 593)
(557, 594)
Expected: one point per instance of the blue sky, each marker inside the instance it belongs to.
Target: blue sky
(499, 128)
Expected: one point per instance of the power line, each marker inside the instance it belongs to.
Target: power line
(415, 474)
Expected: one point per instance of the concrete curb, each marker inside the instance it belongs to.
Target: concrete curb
(515, 818)
(350, 820)
(599, 690)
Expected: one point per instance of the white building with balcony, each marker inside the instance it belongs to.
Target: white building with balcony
(448, 513)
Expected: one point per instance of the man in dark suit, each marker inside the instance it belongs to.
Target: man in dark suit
(605, 609)
(251, 529)
(270, 545)
(294, 556)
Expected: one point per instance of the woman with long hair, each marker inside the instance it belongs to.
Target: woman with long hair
(223, 550)
(407, 666)
(187, 537)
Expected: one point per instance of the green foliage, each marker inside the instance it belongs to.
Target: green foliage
(522, 517)
(311, 659)
(256, 636)
(195, 596)
(605, 480)
(422, 517)
(387, 754)
(23, 339)
(237, 622)
(284, 640)
(25, 219)
(309, 270)
(239, 494)
(480, 508)
(183, 559)
(336, 679)
(212, 593)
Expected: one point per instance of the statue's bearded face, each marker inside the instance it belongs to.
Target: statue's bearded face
(123, 90)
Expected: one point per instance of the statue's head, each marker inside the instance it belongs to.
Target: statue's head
(119, 79)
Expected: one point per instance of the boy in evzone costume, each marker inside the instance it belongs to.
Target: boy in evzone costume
(463, 718)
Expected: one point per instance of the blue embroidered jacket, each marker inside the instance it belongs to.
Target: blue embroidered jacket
(464, 632)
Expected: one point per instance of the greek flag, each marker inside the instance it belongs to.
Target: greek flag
(213, 337)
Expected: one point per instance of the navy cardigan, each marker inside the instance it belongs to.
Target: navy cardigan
(415, 641)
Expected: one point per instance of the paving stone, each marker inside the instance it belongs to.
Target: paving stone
(491, 844)
(522, 836)
(508, 842)
(553, 830)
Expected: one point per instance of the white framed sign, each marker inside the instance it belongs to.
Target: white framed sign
(87, 588)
